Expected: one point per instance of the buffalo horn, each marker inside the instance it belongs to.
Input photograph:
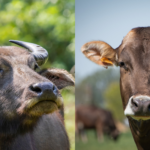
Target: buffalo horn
(39, 53)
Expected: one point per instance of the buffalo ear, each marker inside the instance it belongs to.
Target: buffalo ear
(61, 78)
(99, 52)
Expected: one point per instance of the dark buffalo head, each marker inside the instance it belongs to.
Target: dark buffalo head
(25, 95)
(133, 57)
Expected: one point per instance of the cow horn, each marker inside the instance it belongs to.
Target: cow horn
(40, 54)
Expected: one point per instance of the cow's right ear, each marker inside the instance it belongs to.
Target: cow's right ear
(99, 52)
(60, 77)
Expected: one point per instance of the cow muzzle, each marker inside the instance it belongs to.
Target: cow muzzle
(138, 107)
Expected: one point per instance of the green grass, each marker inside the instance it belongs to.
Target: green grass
(125, 142)
(69, 105)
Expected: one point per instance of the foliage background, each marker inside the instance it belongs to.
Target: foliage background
(51, 24)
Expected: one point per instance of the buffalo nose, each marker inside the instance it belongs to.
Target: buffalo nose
(46, 90)
(141, 106)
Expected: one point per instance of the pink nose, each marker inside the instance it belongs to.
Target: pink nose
(140, 106)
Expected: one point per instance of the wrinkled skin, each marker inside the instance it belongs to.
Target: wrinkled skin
(23, 124)
(133, 57)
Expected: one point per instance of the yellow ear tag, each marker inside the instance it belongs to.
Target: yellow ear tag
(106, 60)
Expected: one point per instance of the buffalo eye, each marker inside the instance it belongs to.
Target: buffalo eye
(36, 66)
(122, 65)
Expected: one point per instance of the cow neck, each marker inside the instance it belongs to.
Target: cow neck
(140, 133)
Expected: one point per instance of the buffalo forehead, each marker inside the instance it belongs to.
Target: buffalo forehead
(12, 51)
(14, 55)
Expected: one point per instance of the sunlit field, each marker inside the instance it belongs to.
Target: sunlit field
(69, 104)
(125, 142)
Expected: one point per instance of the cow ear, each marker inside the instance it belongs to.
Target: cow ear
(61, 78)
(99, 52)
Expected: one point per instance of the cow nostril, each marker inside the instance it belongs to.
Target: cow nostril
(134, 103)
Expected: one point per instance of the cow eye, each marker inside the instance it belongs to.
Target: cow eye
(122, 64)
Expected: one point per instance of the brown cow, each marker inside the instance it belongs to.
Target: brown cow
(92, 117)
(29, 101)
(133, 57)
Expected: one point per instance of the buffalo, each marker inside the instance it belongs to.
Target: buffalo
(132, 56)
(30, 102)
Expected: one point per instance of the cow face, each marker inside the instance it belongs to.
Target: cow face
(25, 95)
(133, 57)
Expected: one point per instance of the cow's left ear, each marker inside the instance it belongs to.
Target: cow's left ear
(61, 78)
(99, 52)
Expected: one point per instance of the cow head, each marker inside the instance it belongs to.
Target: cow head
(115, 134)
(133, 58)
(25, 95)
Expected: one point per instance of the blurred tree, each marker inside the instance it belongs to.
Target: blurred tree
(49, 23)
(97, 83)
(113, 100)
